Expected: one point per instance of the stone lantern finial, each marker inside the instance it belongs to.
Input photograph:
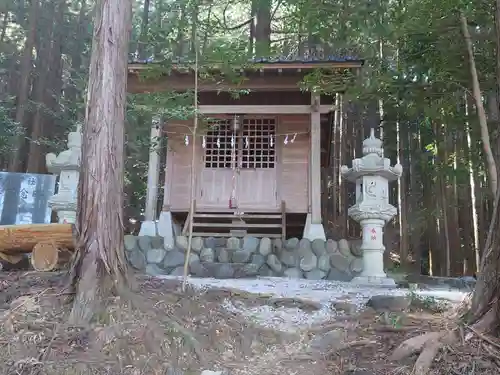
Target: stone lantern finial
(372, 145)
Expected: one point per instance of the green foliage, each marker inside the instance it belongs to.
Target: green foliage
(8, 127)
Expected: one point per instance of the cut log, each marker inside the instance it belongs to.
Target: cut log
(23, 238)
(48, 256)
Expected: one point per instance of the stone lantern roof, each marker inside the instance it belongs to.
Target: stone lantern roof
(372, 163)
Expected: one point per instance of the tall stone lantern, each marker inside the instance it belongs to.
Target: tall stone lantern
(67, 165)
(372, 210)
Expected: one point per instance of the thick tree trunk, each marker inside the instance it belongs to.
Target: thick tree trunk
(100, 265)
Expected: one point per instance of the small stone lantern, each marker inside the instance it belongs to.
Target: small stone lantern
(372, 210)
(67, 165)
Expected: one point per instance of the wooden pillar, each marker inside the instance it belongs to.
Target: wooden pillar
(315, 160)
(153, 174)
(167, 181)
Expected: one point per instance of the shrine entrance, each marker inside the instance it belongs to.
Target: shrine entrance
(239, 166)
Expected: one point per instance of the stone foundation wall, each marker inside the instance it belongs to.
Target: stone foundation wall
(247, 257)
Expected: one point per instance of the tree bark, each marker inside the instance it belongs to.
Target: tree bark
(24, 85)
(262, 42)
(481, 113)
(485, 310)
(100, 265)
(71, 91)
(141, 48)
(4, 26)
(484, 313)
(40, 94)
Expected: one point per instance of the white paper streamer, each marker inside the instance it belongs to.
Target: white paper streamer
(186, 140)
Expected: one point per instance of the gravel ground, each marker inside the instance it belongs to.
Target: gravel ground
(324, 292)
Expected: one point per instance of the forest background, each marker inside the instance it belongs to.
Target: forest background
(417, 86)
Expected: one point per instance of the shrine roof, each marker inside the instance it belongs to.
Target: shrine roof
(277, 72)
(307, 60)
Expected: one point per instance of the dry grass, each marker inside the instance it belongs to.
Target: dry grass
(191, 332)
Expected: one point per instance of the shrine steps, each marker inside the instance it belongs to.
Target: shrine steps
(231, 224)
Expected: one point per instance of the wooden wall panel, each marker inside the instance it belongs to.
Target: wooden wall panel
(294, 176)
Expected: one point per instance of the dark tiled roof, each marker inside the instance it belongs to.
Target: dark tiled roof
(278, 60)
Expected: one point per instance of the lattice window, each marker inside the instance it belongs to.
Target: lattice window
(254, 146)
(218, 149)
(259, 150)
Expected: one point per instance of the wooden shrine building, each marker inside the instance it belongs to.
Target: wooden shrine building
(258, 156)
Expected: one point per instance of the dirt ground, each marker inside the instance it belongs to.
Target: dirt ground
(167, 332)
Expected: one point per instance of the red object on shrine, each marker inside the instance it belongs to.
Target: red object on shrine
(232, 203)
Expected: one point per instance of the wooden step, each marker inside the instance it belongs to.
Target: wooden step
(228, 225)
(227, 235)
(232, 216)
(235, 225)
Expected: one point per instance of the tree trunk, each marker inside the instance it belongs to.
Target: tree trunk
(481, 113)
(24, 85)
(71, 91)
(262, 43)
(194, 29)
(485, 309)
(484, 313)
(252, 25)
(159, 10)
(5, 22)
(40, 94)
(55, 82)
(142, 51)
(180, 41)
(100, 265)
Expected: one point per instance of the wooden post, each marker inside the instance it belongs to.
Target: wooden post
(315, 160)
(153, 174)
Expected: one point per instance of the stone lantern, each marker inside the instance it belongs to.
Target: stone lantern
(67, 165)
(372, 210)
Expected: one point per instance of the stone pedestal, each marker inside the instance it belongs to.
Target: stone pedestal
(313, 231)
(67, 165)
(372, 210)
(166, 229)
(148, 228)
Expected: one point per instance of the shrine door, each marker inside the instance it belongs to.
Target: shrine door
(245, 162)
